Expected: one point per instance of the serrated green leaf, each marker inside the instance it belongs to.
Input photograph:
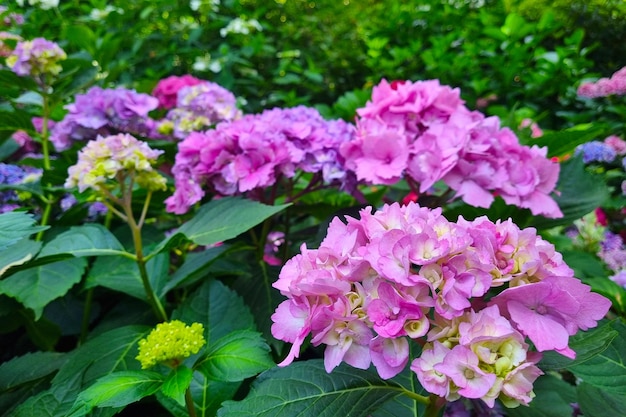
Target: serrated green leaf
(585, 344)
(29, 367)
(176, 383)
(221, 220)
(236, 356)
(553, 399)
(122, 274)
(16, 225)
(607, 370)
(36, 287)
(117, 390)
(306, 389)
(20, 253)
(219, 308)
(86, 240)
(598, 402)
(13, 121)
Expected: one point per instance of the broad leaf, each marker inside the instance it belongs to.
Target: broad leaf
(177, 383)
(117, 390)
(565, 141)
(12, 121)
(220, 220)
(598, 402)
(607, 370)
(16, 225)
(236, 356)
(36, 287)
(20, 253)
(219, 308)
(553, 399)
(585, 344)
(305, 389)
(87, 240)
(28, 368)
(122, 274)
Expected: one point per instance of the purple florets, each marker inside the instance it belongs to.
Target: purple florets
(9, 174)
(37, 57)
(104, 112)
(596, 151)
(254, 151)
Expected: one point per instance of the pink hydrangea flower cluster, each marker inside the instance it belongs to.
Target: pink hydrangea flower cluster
(613, 85)
(254, 151)
(197, 108)
(36, 57)
(104, 112)
(422, 131)
(166, 90)
(406, 272)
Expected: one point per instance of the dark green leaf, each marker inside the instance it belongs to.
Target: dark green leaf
(565, 141)
(8, 79)
(305, 389)
(607, 370)
(117, 390)
(219, 308)
(13, 121)
(18, 254)
(29, 367)
(86, 240)
(221, 220)
(177, 383)
(16, 225)
(236, 356)
(36, 287)
(598, 402)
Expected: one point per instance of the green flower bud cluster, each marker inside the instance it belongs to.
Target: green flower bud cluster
(169, 343)
(104, 158)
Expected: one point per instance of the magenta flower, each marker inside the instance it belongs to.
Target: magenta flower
(461, 366)
(548, 312)
(389, 356)
(167, 89)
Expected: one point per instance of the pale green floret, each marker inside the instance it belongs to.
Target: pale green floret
(170, 343)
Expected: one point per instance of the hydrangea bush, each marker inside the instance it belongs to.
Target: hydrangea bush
(166, 251)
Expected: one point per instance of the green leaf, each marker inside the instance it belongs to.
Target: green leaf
(565, 141)
(12, 121)
(28, 368)
(177, 383)
(87, 240)
(9, 79)
(585, 344)
(220, 220)
(306, 389)
(122, 274)
(607, 370)
(598, 402)
(16, 225)
(236, 356)
(553, 399)
(219, 308)
(117, 390)
(580, 193)
(20, 253)
(36, 287)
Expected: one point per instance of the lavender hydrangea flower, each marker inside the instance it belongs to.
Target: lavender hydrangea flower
(36, 57)
(596, 151)
(104, 112)
(10, 175)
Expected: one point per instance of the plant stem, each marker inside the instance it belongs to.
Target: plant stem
(189, 403)
(435, 406)
(46, 161)
(84, 328)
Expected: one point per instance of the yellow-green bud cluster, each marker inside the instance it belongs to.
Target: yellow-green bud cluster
(169, 343)
(102, 159)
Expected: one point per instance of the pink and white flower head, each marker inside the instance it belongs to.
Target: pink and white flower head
(406, 272)
(166, 90)
(423, 132)
(603, 87)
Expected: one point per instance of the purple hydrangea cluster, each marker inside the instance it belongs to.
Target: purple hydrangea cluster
(406, 272)
(199, 107)
(613, 85)
(422, 131)
(596, 151)
(10, 175)
(9, 19)
(254, 151)
(613, 254)
(103, 112)
(36, 58)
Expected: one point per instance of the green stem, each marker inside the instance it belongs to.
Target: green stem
(154, 301)
(189, 403)
(435, 406)
(45, 143)
(84, 328)
(417, 397)
(45, 216)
